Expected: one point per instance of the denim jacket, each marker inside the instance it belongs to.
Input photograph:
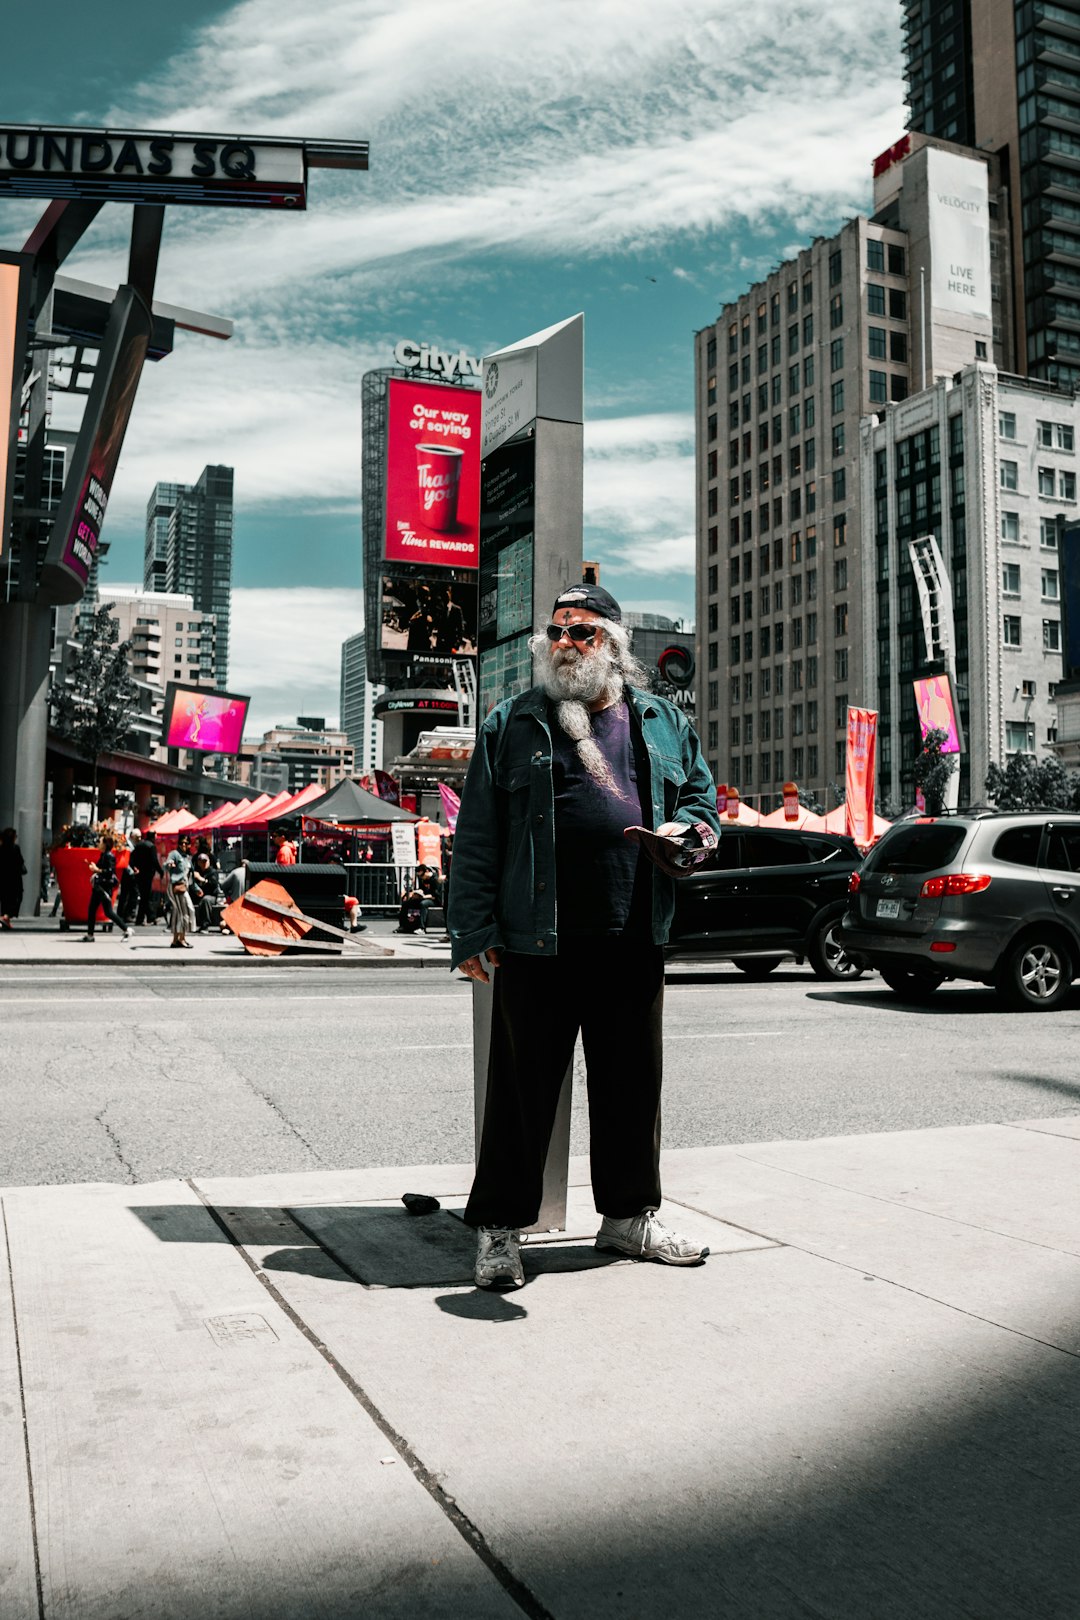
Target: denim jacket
(502, 884)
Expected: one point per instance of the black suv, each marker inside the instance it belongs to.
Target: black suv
(764, 894)
(993, 897)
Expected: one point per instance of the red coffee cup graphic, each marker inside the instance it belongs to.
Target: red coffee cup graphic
(438, 474)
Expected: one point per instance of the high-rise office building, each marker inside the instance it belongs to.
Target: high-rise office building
(358, 696)
(849, 328)
(1004, 76)
(188, 549)
(985, 462)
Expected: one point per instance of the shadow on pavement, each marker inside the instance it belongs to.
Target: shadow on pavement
(374, 1245)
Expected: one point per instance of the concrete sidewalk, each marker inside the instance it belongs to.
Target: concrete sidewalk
(281, 1398)
(40, 942)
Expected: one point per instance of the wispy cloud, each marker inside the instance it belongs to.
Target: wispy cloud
(286, 649)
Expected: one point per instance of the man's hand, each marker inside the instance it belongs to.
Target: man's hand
(671, 829)
(473, 966)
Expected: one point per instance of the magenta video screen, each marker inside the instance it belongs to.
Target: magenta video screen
(195, 717)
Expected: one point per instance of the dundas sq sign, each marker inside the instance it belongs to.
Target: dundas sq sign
(152, 166)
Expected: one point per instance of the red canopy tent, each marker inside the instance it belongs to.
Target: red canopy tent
(836, 822)
(805, 820)
(215, 817)
(173, 821)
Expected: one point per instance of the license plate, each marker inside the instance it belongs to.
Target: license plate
(888, 908)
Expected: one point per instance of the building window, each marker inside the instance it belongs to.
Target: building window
(898, 347)
(835, 268)
(838, 440)
(812, 761)
(837, 397)
(1011, 630)
(808, 329)
(836, 354)
(811, 716)
(808, 413)
(875, 255)
(841, 664)
(1050, 588)
(1019, 737)
(836, 311)
(1010, 579)
(1007, 425)
(839, 534)
(839, 484)
(875, 299)
(876, 344)
(1048, 533)
(811, 629)
(878, 387)
(840, 574)
(840, 619)
(897, 304)
(980, 349)
(1051, 635)
(1046, 480)
(896, 260)
(1067, 486)
(1008, 475)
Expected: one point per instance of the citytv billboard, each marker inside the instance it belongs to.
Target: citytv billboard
(432, 475)
(199, 718)
(428, 615)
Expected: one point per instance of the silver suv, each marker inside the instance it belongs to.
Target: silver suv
(990, 897)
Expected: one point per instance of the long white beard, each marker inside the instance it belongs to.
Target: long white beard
(573, 682)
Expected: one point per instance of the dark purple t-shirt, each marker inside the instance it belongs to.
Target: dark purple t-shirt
(602, 882)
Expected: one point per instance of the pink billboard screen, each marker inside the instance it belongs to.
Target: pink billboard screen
(211, 722)
(934, 701)
(432, 474)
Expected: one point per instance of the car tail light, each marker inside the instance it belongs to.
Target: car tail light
(943, 945)
(955, 883)
(854, 883)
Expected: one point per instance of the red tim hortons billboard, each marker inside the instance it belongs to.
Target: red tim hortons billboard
(433, 474)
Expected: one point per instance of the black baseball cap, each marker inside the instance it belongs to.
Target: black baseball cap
(591, 599)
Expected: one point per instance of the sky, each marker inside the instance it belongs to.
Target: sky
(640, 162)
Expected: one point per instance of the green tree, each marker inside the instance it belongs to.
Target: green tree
(810, 801)
(933, 770)
(1027, 783)
(96, 704)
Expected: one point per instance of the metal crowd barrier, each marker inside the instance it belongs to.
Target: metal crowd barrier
(378, 885)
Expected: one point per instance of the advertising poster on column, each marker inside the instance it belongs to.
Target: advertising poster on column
(432, 474)
(81, 513)
(959, 233)
(937, 712)
(859, 780)
(14, 298)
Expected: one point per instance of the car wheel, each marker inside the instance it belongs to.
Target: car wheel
(828, 958)
(1035, 975)
(913, 985)
(757, 967)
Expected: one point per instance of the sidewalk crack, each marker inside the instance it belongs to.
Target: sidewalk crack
(526, 1600)
(275, 1108)
(25, 1422)
(99, 1119)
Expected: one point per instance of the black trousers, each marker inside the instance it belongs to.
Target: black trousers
(612, 990)
(100, 900)
(145, 883)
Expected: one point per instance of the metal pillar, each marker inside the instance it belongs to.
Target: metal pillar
(25, 636)
(534, 393)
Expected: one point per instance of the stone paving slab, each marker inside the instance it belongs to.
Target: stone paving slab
(193, 1454)
(836, 1422)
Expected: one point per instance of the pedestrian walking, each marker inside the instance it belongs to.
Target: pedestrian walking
(177, 880)
(146, 866)
(103, 881)
(12, 872)
(573, 918)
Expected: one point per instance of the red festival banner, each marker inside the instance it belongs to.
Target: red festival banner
(860, 775)
(433, 474)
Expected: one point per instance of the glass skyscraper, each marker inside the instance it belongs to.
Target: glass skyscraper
(188, 550)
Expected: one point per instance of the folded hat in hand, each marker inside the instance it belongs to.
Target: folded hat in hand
(680, 852)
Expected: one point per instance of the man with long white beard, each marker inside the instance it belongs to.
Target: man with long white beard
(548, 888)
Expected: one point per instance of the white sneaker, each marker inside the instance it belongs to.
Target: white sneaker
(126, 935)
(645, 1237)
(498, 1261)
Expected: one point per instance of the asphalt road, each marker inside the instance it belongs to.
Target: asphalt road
(136, 1075)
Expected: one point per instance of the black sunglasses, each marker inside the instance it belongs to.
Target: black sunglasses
(576, 632)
